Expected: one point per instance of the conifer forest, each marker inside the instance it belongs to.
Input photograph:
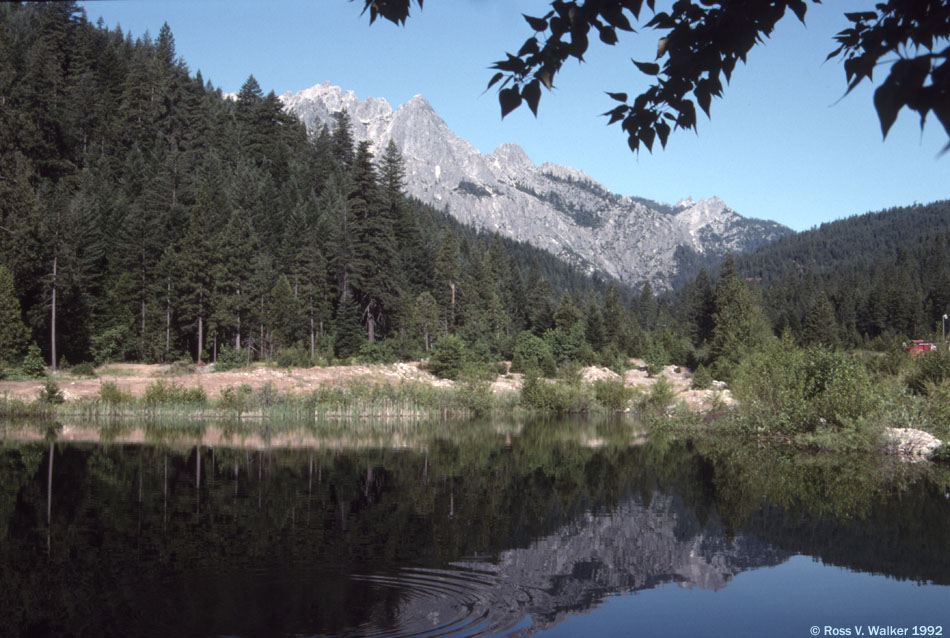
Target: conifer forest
(146, 216)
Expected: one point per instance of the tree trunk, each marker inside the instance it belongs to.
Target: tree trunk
(452, 316)
(237, 337)
(312, 338)
(52, 321)
(168, 318)
(201, 325)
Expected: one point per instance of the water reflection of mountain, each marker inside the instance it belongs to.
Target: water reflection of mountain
(632, 547)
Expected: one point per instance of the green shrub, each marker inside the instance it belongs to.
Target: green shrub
(182, 366)
(447, 357)
(530, 352)
(655, 358)
(33, 365)
(112, 344)
(937, 409)
(84, 369)
(661, 395)
(160, 393)
(230, 359)
(702, 378)
(268, 395)
(237, 399)
(295, 357)
(930, 368)
(613, 394)
(50, 393)
(475, 395)
(941, 454)
(782, 388)
(554, 396)
(110, 394)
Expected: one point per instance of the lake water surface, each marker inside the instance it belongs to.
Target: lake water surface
(550, 528)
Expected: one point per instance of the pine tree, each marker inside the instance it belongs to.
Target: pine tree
(374, 259)
(739, 323)
(14, 337)
(310, 273)
(821, 326)
(196, 281)
(425, 318)
(342, 139)
(283, 313)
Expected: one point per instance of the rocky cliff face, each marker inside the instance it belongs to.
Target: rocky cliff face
(553, 207)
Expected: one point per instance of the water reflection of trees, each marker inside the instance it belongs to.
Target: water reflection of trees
(170, 531)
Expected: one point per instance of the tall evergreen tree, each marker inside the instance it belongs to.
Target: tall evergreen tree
(14, 337)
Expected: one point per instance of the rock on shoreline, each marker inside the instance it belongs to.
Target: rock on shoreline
(916, 445)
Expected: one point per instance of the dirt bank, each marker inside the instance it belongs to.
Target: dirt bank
(135, 378)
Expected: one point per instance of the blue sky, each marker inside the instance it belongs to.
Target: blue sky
(781, 145)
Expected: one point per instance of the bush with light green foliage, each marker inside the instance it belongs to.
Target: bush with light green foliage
(563, 395)
(109, 393)
(929, 369)
(295, 357)
(160, 392)
(447, 357)
(532, 352)
(661, 395)
(784, 389)
(702, 379)
(614, 394)
(84, 369)
(230, 359)
(51, 394)
(33, 365)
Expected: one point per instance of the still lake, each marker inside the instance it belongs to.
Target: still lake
(548, 528)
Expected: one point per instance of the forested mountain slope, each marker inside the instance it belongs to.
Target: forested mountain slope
(877, 274)
(144, 216)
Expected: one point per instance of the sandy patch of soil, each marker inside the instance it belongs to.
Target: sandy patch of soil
(135, 378)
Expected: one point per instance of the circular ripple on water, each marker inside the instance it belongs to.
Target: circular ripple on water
(441, 602)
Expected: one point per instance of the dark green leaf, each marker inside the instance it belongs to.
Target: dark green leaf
(532, 94)
(633, 142)
(887, 101)
(607, 35)
(646, 136)
(799, 7)
(860, 16)
(620, 97)
(530, 46)
(703, 96)
(663, 132)
(509, 99)
(546, 78)
(494, 79)
(538, 24)
(650, 68)
(616, 113)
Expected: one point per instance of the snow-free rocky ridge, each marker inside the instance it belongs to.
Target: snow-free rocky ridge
(557, 208)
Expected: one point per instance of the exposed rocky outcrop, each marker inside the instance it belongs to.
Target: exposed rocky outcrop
(913, 444)
(557, 208)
